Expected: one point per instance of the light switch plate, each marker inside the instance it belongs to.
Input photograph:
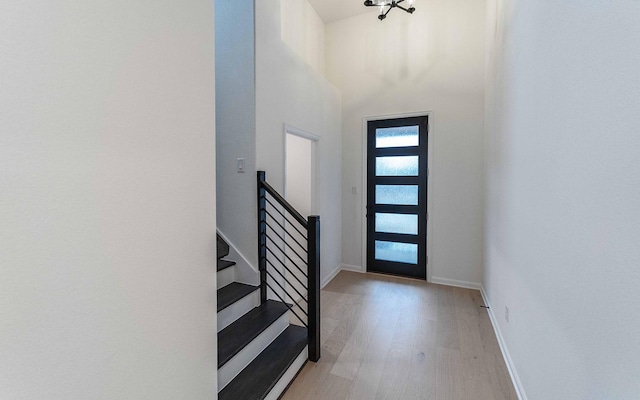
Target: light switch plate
(241, 165)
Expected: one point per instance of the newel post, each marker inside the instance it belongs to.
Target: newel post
(313, 254)
(262, 236)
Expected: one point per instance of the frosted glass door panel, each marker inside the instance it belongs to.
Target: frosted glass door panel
(397, 166)
(396, 252)
(405, 195)
(402, 136)
(406, 224)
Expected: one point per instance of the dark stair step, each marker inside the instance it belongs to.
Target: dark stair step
(233, 292)
(261, 375)
(224, 264)
(236, 336)
(222, 247)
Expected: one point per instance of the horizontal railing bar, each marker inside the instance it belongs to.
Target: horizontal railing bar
(285, 241)
(290, 307)
(286, 234)
(287, 268)
(293, 225)
(286, 219)
(304, 260)
(298, 317)
(284, 203)
(279, 285)
(285, 254)
(277, 208)
(286, 280)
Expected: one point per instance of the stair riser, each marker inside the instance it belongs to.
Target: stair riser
(226, 276)
(222, 247)
(230, 314)
(288, 376)
(233, 367)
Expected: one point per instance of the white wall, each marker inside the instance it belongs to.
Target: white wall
(289, 91)
(562, 194)
(303, 31)
(431, 61)
(299, 173)
(235, 124)
(107, 200)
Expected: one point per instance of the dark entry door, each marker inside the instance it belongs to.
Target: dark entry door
(397, 196)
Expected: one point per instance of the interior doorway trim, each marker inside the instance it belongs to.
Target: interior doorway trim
(300, 132)
(431, 175)
(292, 130)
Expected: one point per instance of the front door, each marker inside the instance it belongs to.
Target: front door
(397, 196)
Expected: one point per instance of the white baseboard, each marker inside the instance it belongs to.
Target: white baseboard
(503, 347)
(353, 268)
(245, 272)
(336, 271)
(330, 277)
(456, 283)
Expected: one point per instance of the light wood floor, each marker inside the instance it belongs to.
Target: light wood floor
(394, 338)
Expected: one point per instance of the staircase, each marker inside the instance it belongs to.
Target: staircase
(259, 351)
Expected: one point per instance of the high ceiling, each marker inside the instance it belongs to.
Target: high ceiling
(334, 10)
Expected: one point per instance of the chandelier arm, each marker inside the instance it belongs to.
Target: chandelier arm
(392, 4)
(366, 4)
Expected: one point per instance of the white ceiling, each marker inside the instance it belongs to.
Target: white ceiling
(334, 10)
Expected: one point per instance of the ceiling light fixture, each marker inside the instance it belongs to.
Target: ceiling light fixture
(387, 5)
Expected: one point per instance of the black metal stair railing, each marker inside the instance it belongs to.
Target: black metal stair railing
(289, 260)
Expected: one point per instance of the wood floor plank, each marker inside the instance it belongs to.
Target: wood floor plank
(449, 375)
(468, 324)
(420, 381)
(448, 331)
(389, 338)
(370, 371)
(350, 358)
(500, 379)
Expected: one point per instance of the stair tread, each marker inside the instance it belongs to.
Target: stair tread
(233, 292)
(260, 376)
(224, 264)
(236, 336)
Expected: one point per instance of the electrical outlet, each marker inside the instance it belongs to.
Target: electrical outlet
(354, 189)
(506, 313)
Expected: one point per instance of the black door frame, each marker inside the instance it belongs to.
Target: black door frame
(421, 239)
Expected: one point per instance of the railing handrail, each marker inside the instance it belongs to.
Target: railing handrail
(281, 200)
